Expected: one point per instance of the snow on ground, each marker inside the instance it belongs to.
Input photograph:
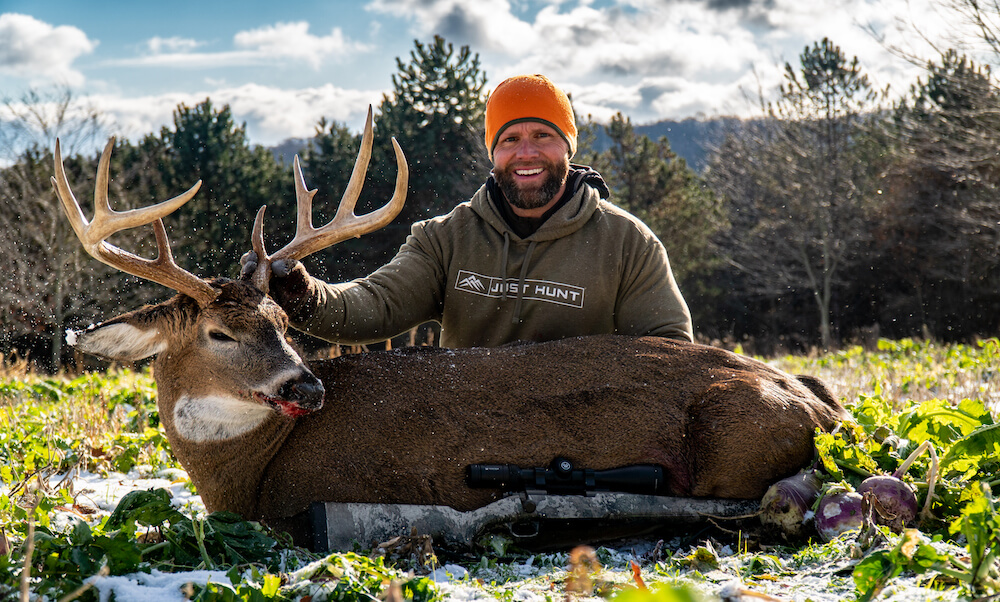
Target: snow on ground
(527, 581)
(97, 496)
(156, 586)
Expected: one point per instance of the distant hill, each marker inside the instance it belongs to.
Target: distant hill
(692, 139)
(285, 151)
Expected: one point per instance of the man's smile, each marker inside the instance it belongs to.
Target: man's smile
(528, 172)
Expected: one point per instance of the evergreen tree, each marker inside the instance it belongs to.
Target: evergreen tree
(327, 164)
(651, 181)
(436, 113)
(940, 226)
(214, 227)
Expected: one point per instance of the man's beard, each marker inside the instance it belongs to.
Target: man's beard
(536, 196)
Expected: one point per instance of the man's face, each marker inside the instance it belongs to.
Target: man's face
(530, 164)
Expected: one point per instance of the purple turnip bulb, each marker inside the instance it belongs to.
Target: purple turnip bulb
(896, 498)
(838, 512)
(786, 502)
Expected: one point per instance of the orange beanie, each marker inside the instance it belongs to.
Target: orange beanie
(529, 98)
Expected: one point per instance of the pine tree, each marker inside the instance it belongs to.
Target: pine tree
(648, 179)
(214, 228)
(940, 226)
(436, 113)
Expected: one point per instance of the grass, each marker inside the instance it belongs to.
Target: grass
(107, 422)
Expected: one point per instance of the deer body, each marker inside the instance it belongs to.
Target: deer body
(721, 426)
(402, 426)
(264, 435)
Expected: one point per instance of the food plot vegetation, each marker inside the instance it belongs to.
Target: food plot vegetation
(94, 507)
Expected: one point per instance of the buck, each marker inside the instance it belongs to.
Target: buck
(263, 434)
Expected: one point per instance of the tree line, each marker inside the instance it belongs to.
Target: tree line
(831, 215)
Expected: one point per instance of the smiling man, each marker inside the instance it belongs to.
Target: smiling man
(538, 253)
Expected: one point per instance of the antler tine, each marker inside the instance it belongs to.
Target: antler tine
(353, 191)
(262, 275)
(345, 224)
(162, 270)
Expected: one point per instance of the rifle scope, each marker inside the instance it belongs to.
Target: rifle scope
(561, 478)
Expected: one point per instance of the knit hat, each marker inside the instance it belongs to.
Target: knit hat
(529, 98)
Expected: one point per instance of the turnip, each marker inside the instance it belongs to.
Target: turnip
(838, 512)
(897, 503)
(786, 503)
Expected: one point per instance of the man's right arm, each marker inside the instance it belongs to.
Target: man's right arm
(404, 293)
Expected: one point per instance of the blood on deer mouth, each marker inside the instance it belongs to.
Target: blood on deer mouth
(288, 408)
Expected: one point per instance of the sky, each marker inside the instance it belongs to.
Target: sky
(282, 65)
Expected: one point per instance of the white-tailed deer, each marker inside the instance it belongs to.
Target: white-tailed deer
(264, 435)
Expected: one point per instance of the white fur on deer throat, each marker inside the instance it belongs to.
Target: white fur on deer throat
(222, 417)
(217, 418)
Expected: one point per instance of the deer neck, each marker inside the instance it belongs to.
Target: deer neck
(224, 444)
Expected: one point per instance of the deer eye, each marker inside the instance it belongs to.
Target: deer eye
(218, 335)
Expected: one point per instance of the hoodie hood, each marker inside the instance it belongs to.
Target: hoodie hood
(587, 188)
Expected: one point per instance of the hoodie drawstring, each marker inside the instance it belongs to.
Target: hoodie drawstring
(520, 283)
(503, 266)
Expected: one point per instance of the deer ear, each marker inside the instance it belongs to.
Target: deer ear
(129, 337)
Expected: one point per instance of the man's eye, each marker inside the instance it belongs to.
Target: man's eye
(218, 335)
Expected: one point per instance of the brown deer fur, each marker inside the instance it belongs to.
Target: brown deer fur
(401, 426)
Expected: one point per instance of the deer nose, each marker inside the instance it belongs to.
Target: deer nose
(306, 390)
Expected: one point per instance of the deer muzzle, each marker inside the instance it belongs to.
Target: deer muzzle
(305, 391)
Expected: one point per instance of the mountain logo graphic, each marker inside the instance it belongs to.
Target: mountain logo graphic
(472, 282)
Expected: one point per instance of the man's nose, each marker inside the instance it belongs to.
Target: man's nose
(526, 148)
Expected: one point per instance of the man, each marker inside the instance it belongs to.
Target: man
(537, 254)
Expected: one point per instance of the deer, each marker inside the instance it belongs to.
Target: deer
(264, 433)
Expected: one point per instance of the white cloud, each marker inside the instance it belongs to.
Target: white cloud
(636, 56)
(271, 114)
(39, 52)
(274, 114)
(156, 44)
(484, 26)
(293, 40)
(656, 59)
(665, 97)
(650, 59)
(271, 44)
(666, 39)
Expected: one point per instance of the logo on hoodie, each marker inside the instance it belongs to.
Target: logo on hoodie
(472, 282)
(534, 290)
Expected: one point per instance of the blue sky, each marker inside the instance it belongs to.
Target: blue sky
(283, 65)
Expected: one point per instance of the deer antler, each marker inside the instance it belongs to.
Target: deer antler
(163, 269)
(345, 224)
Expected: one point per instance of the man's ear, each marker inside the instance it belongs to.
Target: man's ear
(132, 336)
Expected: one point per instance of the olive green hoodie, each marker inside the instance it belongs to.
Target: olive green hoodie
(591, 268)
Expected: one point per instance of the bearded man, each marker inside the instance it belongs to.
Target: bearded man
(539, 253)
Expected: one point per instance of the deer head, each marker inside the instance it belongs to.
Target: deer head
(223, 361)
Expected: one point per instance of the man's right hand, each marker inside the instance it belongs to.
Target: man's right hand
(290, 286)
